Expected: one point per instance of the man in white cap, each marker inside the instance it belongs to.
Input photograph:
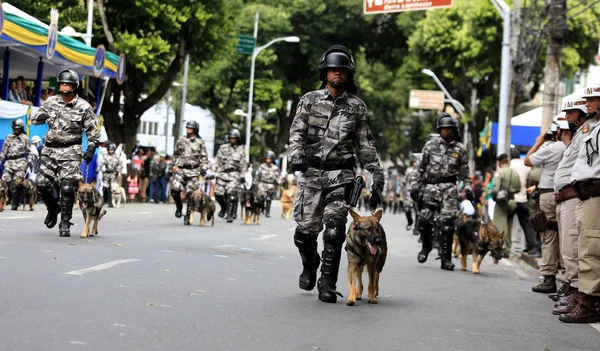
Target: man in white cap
(547, 153)
(578, 120)
(586, 182)
(35, 156)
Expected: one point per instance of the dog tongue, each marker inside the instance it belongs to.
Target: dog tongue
(84, 205)
(372, 248)
(495, 261)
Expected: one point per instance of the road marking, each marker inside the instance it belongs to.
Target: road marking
(18, 217)
(595, 326)
(221, 246)
(266, 237)
(221, 256)
(143, 213)
(75, 342)
(101, 266)
(119, 325)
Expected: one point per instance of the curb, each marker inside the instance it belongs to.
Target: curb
(535, 264)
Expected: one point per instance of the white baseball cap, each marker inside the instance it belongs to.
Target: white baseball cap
(574, 102)
(591, 91)
(36, 139)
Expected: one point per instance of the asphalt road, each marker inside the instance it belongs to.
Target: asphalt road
(149, 283)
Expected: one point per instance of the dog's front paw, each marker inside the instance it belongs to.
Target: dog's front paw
(475, 272)
(350, 302)
(359, 297)
(372, 300)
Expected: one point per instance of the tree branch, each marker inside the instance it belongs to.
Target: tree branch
(107, 32)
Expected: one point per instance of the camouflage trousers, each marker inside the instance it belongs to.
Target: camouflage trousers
(315, 206)
(108, 179)
(227, 182)
(187, 180)
(58, 164)
(14, 169)
(266, 190)
(440, 198)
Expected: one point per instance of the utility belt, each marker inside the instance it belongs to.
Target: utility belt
(441, 180)
(16, 157)
(331, 166)
(63, 144)
(587, 189)
(544, 191)
(564, 194)
(189, 166)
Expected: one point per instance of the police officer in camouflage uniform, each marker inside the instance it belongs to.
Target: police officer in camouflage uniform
(443, 164)
(330, 128)
(268, 174)
(112, 167)
(231, 159)
(67, 116)
(16, 151)
(190, 161)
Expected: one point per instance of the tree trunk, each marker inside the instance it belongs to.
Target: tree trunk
(552, 71)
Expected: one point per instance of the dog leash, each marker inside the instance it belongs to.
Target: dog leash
(87, 170)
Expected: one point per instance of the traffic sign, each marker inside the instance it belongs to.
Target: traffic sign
(245, 45)
(389, 6)
(426, 99)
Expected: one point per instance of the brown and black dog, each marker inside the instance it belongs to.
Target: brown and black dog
(478, 238)
(287, 201)
(252, 205)
(29, 192)
(366, 246)
(90, 203)
(203, 204)
(3, 194)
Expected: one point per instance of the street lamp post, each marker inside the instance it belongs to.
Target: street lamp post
(505, 76)
(460, 109)
(292, 39)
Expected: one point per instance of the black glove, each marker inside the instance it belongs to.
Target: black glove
(469, 194)
(88, 156)
(299, 163)
(414, 193)
(242, 180)
(376, 195)
(42, 117)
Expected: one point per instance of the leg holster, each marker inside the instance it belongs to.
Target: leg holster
(333, 239)
(178, 203)
(307, 246)
(52, 205)
(67, 200)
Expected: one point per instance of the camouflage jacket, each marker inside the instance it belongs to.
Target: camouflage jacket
(441, 161)
(16, 147)
(111, 163)
(267, 174)
(332, 130)
(67, 121)
(190, 152)
(232, 158)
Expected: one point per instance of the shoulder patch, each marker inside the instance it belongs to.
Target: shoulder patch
(586, 128)
(455, 154)
(299, 108)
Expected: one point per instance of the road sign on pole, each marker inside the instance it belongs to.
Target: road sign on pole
(426, 99)
(389, 6)
(245, 45)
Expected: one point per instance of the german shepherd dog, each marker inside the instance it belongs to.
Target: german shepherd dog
(252, 205)
(288, 197)
(366, 246)
(203, 204)
(29, 192)
(3, 194)
(478, 238)
(90, 203)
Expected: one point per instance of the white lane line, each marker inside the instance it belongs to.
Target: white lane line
(17, 217)
(76, 342)
(595, 326)
(143, 213)
(101, 266)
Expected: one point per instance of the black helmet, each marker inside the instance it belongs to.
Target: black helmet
(193, 125)
(17, 124)
(446, 121)
(270, 154)
(112, 147)
(338, 56)
(234, 133)
(68, 76)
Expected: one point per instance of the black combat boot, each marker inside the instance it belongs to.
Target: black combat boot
(333, 239)
(109, 196)
(548, 286)
(67, 200)
(307, 246)
(52, 205)
(446, 252)
(188, 210)
(426, 240)
(586, 310)
(268, 208)
(231, 209)
(16, 195)
(222, 204)
(178, 203)
(562, 291)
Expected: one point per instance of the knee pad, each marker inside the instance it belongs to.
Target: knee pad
(335, 232)
(305, 241)
(67, 188)
(448, 227)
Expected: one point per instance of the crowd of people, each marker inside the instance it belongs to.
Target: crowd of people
(19, 91)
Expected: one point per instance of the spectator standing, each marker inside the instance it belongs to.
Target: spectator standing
(506, 184)
(133, 188)
(522, 210)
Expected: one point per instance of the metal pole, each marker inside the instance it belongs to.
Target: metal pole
(167, 122)
(504, 76)
(184, 87)
(251, 93)
(38, 83)
(6, 74)
(88, 40)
